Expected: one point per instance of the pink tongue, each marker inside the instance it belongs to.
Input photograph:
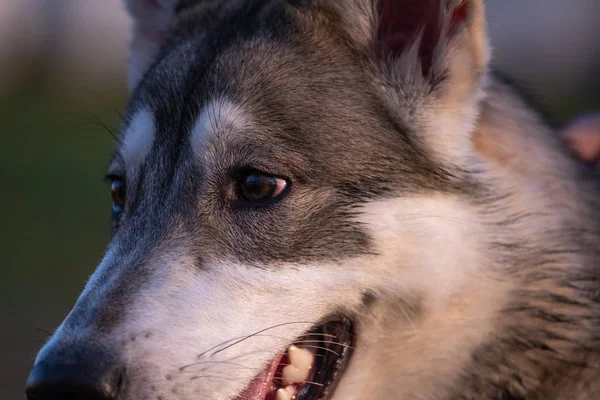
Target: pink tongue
(262, 386)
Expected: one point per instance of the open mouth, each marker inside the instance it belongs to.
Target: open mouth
(309, 369)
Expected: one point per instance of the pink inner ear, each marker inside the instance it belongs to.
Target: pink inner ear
(401, 21)
(459, 15)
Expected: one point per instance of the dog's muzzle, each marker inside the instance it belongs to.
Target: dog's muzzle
(308, 369)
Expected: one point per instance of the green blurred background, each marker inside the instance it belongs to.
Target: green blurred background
(62, 67)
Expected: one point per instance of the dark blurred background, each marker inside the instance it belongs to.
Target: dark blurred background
(62, 86)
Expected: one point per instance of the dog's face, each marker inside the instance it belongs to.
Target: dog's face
(272, 189)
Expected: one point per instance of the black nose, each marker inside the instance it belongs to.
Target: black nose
(74, 374)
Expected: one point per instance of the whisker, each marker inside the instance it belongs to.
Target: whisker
(241, 366)
(275, 379)
(220, 344)
(280, 380)
(93, 119)
(290, 340)
(258, 332)
(353, 336)
(326, 342)
(322, 348)
(44, 331)
(243, 355)
(321, 334)
(181, 369)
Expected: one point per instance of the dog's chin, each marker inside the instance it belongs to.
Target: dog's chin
(310, 368)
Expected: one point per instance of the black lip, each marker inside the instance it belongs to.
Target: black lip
(332, 360)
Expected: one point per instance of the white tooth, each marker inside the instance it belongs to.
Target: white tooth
(283, 395)
(291, 390)
(300, 356)
(286, 394)
(301, 361)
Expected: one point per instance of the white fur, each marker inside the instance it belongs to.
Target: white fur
(138, 139)
(429, 243)
(218, 117)
(424, 244)
(429, 246)
(194, 311)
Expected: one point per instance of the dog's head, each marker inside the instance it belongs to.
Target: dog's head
(286, 188)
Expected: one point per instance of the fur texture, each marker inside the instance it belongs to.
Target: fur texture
(427, 202)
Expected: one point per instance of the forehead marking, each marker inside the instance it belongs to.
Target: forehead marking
(219, 117)
(138, 138)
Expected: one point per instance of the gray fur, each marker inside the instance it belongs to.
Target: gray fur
(350, 131)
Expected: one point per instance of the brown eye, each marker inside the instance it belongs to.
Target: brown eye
(258, 187)
(117, 192)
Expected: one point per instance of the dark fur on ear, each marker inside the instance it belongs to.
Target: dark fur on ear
(151, 19)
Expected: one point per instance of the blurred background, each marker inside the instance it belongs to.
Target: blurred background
(62, 86)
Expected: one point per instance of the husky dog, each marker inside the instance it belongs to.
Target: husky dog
(333, 199)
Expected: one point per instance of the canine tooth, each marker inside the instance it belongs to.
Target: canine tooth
(283, 395)
(286, 394)
(301, 361)
(300, 356)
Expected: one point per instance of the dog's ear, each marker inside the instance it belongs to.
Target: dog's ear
(151, 19)
(433, 33)
(432, 56)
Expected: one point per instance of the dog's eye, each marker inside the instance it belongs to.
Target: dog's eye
(117, 192)
(255, 187)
